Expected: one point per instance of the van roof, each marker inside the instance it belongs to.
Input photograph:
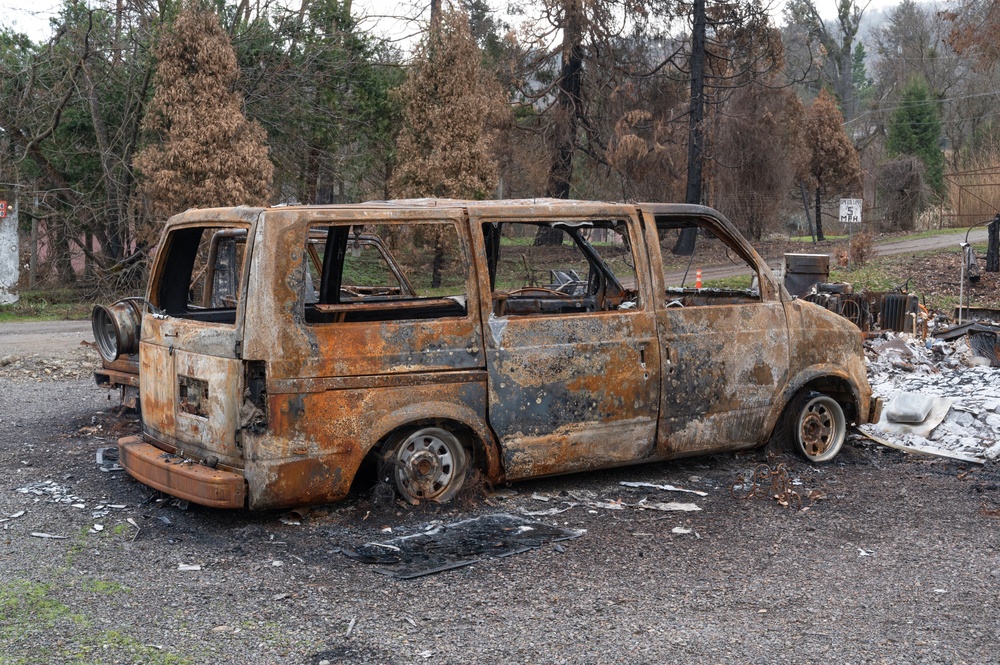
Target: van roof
(247, 213)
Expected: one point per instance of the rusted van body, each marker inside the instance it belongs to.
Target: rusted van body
(522, 338)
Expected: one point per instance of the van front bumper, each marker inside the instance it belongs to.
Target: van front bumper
(179, 477)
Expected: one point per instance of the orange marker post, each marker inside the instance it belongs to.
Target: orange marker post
(697, 279)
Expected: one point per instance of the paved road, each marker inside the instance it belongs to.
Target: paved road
(49, 337)
(884, 249)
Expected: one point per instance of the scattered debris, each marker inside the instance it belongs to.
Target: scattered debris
(943, 369)
(187, 567)
(107, 459)
(49, 536)
(665, 488)
(863, 552)
(55, 492)
(775, 484)
(667, 507)
(681, 530)
(548, 511)
(447, 546)
(924, 450)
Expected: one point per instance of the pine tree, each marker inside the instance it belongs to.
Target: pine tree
(451, 106)
(915, 130)
(204, 151)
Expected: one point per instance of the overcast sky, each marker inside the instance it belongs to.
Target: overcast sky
(32, 16)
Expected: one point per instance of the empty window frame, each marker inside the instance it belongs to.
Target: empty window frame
(202, 273)
(385, 272)
(569, 267)
(733, 277)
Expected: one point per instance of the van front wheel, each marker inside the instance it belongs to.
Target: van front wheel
(817, 425)
(427, 464)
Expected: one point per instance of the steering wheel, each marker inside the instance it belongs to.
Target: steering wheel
(540, 290)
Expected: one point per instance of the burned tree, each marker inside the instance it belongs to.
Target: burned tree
(834, 164)
(203, 151)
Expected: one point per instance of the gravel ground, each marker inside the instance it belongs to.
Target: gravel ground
(898, 562)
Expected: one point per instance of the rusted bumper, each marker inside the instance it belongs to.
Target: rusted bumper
(168, 473)
(875, 410)
(111, 377)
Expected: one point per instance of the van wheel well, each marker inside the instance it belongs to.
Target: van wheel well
(370, 471)
(837, 388)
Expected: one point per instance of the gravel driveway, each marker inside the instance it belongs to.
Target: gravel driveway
(897, 562)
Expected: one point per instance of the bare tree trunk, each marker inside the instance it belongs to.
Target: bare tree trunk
(993, 246)
(819, 213)
(686, 239)
(567, 110)
(805, 206)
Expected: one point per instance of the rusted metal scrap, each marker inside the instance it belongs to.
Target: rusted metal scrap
(774, 484)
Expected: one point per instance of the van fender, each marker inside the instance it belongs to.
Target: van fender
(485, 446)
(803, 378)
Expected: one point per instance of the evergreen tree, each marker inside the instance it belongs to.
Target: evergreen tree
(204, 151)
(451, 104)
(915, 130)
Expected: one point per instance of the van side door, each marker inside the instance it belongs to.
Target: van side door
(724, 342)
(570, 339)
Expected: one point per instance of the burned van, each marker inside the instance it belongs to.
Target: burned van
(433, 337)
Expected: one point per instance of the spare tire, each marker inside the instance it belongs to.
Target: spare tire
(116, 328)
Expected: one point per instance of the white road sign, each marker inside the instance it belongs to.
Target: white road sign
(850, 211)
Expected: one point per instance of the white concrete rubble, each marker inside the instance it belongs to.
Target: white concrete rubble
(943, 369)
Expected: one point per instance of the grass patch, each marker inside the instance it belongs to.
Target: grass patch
(32, 621)
(102, 587)
(47, 305)
(735, 283)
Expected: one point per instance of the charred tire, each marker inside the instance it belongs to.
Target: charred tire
(425, 464)
(816, 425)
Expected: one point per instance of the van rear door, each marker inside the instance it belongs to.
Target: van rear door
(190, 373)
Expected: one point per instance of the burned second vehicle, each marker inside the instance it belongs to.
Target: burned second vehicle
(431, 337)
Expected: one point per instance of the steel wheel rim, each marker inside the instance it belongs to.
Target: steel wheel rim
(820, 427)
(428, 465)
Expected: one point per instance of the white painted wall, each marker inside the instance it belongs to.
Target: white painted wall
(8, 257)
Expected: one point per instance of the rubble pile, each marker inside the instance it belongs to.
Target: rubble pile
(37, 367)
(911, 373)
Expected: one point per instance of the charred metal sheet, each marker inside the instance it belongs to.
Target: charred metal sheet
(451, 546)
(954, 332)
(724, 366)
(986, 345)
(315, 441)
(574, 392)
(179, 477)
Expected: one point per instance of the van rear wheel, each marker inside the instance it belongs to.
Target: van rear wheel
(817, 426)
(426, 464)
